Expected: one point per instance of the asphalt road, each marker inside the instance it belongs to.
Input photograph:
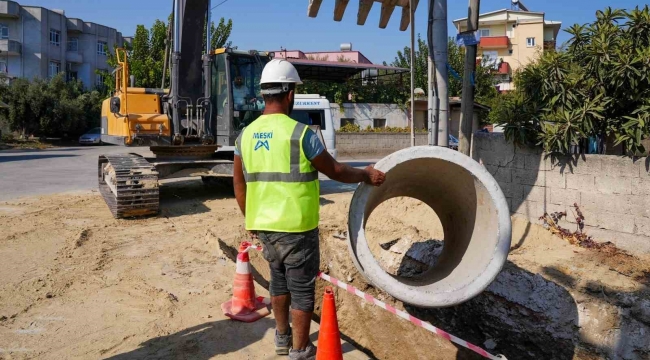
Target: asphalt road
(40, 172)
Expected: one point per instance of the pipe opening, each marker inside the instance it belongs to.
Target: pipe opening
(474, 220)
(405, 236)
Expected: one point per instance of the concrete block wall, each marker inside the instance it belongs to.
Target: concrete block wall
(612, 192)
(374, 144)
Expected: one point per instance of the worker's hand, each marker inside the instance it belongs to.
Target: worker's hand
(374, 177)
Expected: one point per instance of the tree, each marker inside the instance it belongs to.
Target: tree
(485, 90)
(147, 53)
(597, 87)
(49, 107)
(220, 34)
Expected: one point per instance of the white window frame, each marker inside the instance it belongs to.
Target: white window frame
(4, 31)
(55, 37)
(100, 80)
(4, 68)
(101, 47)
(73, 41)
(53, 68)
(480, 32)
(530, 42)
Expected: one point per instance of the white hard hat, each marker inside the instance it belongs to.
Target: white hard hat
(279, 71)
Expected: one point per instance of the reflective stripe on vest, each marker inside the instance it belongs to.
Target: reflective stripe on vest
(295, 175)
(282, 187)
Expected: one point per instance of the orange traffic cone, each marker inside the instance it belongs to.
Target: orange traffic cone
(329, 337)
(244, 306)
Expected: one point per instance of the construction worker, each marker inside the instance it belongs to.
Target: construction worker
(277, 161)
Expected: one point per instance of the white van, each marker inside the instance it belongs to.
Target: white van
(314, 110)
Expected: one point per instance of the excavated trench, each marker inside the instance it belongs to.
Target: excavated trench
(549, 300)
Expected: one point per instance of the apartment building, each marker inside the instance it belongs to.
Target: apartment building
(36, 42)
(512, 39)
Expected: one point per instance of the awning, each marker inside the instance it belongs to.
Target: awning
(337, 71)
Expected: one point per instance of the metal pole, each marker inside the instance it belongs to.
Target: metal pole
(208, 46)
(411, 11)
(467, 126)
(440, 58)
(176, 57)
(432, 100)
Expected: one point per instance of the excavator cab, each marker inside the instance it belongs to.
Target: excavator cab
(236, 91)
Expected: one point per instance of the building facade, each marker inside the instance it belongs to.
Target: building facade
(36, 42)
(511, 39)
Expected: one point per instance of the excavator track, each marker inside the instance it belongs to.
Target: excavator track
(129, 185)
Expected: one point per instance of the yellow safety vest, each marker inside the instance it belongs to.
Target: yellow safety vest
(282, 188)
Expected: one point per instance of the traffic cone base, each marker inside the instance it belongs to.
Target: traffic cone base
(261, 310)
(244, 305)
(329, 337)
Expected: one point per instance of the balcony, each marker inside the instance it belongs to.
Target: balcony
(494, 42)
(9, 9)
(550, 44)
(74, 57)
(504, 69)
(10, 47)
(75, 25)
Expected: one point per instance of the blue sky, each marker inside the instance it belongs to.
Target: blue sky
(259, 25)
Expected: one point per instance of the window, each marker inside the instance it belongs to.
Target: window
(492, 58)
(530, 42)
(73, 44)
(3, 67)
(55, 37)
(379, 123)
(4, 31)
(484, 32)
(54, 68)
(99, 80)
(72, 75)
(101, 47)
(314, 117)
(347, 121)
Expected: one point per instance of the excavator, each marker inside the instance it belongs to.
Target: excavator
(193, 124)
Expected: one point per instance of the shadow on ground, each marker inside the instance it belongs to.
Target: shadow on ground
(203, 341)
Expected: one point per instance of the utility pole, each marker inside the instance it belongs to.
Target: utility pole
(432, 97)
(467, 126)
(437, 35)
(412, 18)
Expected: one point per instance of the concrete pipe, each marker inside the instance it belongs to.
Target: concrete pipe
(472, 210)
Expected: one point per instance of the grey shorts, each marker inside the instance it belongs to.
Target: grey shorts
(294, 260)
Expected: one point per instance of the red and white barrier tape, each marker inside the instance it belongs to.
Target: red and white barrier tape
(402, 314)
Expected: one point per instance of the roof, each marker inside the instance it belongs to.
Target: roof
(335, 71)
(500, 11)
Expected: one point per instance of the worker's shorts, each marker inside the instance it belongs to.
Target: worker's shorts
(294, 260)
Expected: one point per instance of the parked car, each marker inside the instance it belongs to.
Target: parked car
(453, 142)
(92, 137)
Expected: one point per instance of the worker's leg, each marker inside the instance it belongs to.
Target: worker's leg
(302, 268)
(280, 306)
(280, 297)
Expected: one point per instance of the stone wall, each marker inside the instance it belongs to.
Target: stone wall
(613, 192)
(375, 144)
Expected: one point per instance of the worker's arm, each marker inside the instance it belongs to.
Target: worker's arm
(239, 184)
(327, 165)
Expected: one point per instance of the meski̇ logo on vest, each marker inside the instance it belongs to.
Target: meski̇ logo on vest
(262, 140)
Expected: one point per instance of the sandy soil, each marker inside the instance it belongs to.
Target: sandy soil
(77, 283)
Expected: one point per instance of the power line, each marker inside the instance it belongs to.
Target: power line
(219, 4)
